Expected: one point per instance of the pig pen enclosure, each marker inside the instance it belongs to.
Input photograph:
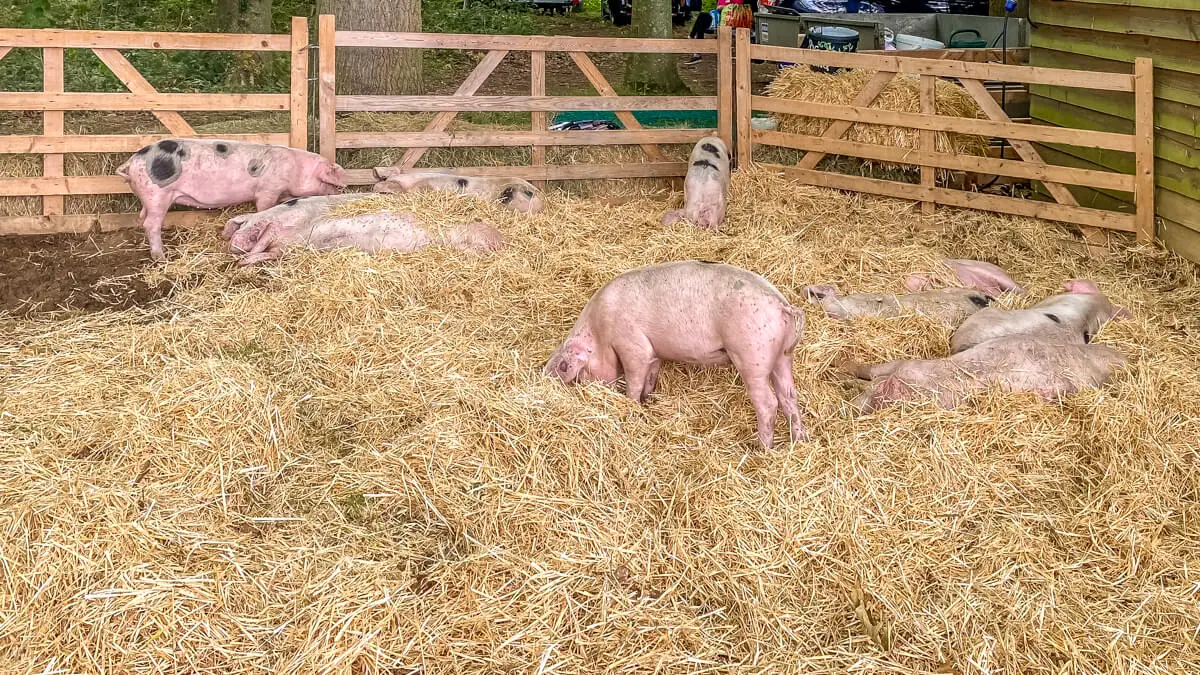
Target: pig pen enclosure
(347, 463)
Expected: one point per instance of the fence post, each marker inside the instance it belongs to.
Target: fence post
(1143, 196)
(742, 118)
(725, 85)
(52, 124)
(927, 138)
(537, 87)
(327, 87)
(298, 135)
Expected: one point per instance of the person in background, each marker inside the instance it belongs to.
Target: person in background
(620, 11)
(732, 13)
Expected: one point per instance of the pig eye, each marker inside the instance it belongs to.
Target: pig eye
(562, 366)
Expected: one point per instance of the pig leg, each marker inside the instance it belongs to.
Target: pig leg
(864, 372)
(154, 210)
(636, 362)
(652, 378)
(758, 385)
(785, 392)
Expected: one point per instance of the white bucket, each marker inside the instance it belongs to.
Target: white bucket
(904, 41)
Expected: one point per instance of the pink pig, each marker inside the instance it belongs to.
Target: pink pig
(214, 174)
(696, 312)
(983, 276)
(706, 188)
(1075, 316)
(308, 222)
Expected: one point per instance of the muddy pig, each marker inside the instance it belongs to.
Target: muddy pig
(948, 305)
(214, 174)
(516, 194)
(313, 222)
(1075, 316)
(706, 188)
(1019, 363)
(695, 312)
(982, 276)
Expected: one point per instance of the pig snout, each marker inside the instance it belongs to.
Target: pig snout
(521, 198)
(244, 239)
(818, 293)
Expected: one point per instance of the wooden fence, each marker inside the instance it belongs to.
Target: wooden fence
(928, 122)
(53, 100)
(538, 104)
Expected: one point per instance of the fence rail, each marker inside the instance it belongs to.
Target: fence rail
(54, 143)
(971, 76)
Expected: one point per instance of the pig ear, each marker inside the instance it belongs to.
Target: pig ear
(818, 293)
(915, 283)
(567, 363)
(234, 225)
(333, 174)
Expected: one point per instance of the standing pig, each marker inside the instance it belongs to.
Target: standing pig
(214, 174)
(948, 305)
(696, 312)
(1075, 316)
(519, 195)
(313, 222)
(975, 274)
(706, 189)
(1020, 363)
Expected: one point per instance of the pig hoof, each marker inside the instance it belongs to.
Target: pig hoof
(799, 434)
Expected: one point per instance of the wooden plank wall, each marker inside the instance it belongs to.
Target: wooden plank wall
(1107, 35)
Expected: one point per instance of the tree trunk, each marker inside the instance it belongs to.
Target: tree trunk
(653, 73)
(377, 71)
(227, 15)
(252, 68)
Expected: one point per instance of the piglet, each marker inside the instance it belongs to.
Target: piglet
(706, 188)
(215, 174)
(516, 194)
(1075, 316)
(1018, 363)
(982, 276)
(695, 312)
(947, 305)
(312, 222)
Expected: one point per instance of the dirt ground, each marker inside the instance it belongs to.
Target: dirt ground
(70, 274)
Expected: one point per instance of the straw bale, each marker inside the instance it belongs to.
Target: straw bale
(903, 94)
(351, 463)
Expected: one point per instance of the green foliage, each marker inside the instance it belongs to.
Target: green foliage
(496, 17)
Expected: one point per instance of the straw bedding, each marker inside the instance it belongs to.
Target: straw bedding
(351, 464)
(903, 94)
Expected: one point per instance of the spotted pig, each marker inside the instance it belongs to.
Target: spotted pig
(513, 193)
(213, 174)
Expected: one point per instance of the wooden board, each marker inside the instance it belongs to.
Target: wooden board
(1160, 23)
(1167, 54)
(547, 172)
(115, 143)
(1010, 130)
(1168, 115)
(298, 122)
(78, 101)
(941, 68)
(62, 185)
(725, 85)
(520, 103)
(537, 120)
(52, 124)
(115, 39)
(498, 139)
(971, 200)
(1143, 75)
(1170, 85)
(953, 162)
(80, 223)
(1163, 4)
(326, 88)
(926, 139)
(528, 43)
(1180, 149)
(743, 98)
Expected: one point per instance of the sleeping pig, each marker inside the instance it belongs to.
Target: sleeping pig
(706, 188)
(695, 312)
(214, 174)
(312, 222)
(519, 195)
(982, 276)
(948, 305)
(1042, 365)
(1075, 316)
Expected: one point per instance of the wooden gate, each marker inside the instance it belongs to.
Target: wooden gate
(465, 99)
(53, 100)
(971, 76)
